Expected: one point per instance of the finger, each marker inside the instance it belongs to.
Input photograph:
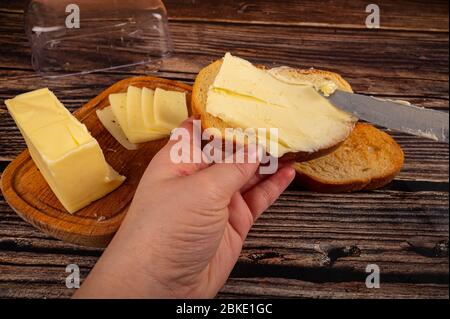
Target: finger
(240, 216)
(257, 178)
(230, 177)
(264, 194)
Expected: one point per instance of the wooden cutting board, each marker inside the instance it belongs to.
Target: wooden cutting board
(29, 195)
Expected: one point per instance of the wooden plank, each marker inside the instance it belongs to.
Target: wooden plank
(291, 288)
(377, 59)
(395, 15)
(77, 90)
(371, 218)
(17, 6)
(52, 285)
(42, 275)
(33, 271)
(302, 231)
(375, 62)
(74, 91)
(299, 258)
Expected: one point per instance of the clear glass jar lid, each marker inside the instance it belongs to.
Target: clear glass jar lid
(83, 36)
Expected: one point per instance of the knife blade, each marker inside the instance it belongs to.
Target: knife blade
(405, 118)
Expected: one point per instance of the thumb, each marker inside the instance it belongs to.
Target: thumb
(231, 175)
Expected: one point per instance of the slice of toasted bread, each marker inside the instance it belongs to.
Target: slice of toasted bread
(207, 76)
(368, 159)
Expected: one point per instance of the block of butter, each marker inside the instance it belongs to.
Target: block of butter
(68, 157)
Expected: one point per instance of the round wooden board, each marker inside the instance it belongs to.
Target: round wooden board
(29, 195)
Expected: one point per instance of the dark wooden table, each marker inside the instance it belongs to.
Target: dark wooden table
(306, 244)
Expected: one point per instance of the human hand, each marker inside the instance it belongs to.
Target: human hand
(184, 230)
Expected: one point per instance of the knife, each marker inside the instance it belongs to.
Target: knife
(405, 118)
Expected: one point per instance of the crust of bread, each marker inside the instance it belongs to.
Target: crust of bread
(367, 160)
(206, 77)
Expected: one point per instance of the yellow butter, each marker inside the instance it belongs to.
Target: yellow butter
(133, 110)
(170, 108)
(68, 157)
(118, 103)
(147, 99)
(248, 97)
(110, 122)
(135, 117)
(148, 114)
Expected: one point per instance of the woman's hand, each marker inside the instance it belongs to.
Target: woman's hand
(184, 230)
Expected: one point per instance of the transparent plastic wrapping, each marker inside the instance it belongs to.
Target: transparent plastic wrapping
(83, 36)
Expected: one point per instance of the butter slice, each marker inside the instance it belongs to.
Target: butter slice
(110, 122)
(133, 108)
(170, 108)
(148, 113)
(68, 157)
(248, 97)
(118, 103)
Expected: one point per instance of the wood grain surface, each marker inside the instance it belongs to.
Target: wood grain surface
(306, 245)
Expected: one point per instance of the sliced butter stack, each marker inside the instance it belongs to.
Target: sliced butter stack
(68, 157)
(145, 115)
(135, 118)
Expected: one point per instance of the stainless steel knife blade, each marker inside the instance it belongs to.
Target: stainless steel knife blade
(405, 118)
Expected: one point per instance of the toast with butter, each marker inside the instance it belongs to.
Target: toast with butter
(367, 159)
(232, 93)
